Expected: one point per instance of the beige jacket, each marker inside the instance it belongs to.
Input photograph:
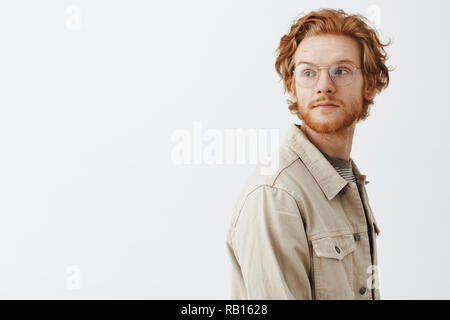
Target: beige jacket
(302, 232)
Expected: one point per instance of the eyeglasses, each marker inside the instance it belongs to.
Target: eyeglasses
(342, 73)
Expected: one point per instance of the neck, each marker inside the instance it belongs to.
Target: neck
(336, 145)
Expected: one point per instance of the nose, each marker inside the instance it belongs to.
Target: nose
(325, 84)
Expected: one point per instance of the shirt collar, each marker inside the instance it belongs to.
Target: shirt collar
(323, 172)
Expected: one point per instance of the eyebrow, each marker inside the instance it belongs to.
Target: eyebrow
(342, 60)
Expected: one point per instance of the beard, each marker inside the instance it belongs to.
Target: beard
(347, 115)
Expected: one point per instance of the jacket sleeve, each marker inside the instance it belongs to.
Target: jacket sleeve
(271, 246)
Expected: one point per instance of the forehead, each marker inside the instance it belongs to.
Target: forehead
(325, 49)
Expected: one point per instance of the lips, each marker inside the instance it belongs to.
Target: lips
(326, 104)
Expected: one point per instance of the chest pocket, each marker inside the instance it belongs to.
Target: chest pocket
(333, 266)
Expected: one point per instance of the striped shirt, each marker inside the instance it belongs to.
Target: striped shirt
(343, 167)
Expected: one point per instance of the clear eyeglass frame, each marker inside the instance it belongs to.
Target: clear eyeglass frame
(339, 81)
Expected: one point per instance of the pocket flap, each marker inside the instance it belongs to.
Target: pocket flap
(336, 247)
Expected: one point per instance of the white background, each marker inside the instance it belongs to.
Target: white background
(92, 91)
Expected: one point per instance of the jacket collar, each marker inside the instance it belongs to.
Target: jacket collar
(323, 172)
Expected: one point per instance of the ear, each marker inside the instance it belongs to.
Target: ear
(369, 88)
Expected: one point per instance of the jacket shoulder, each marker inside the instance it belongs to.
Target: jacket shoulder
(278, 171)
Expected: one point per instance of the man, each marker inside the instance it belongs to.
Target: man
(307, 231)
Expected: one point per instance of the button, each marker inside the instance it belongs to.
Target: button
(356, 236)
(337, 249)
(362, 290)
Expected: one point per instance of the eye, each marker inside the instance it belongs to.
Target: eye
(342, 71)
(308, 73)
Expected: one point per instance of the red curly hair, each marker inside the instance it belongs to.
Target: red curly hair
(373, 56)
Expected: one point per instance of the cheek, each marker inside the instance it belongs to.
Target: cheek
(303, 96)
(351, 93)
